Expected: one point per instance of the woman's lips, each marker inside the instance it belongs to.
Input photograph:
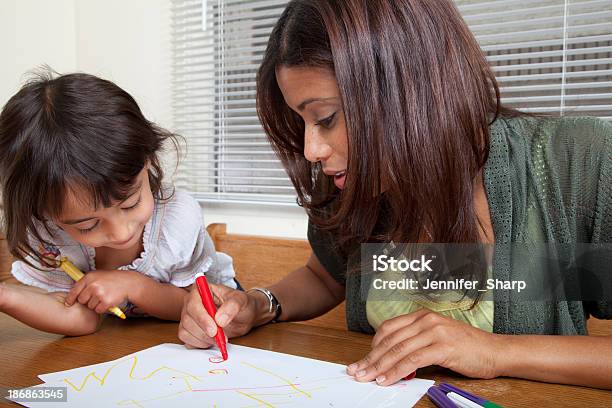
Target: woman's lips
(339, 179)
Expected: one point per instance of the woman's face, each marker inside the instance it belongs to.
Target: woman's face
(313, 94)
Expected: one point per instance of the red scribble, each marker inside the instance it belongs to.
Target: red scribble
(216, 359)
(245, 388)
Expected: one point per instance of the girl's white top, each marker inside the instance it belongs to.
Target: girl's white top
(176, 247)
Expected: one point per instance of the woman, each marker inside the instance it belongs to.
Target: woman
(386, 117)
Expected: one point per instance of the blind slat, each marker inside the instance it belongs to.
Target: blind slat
(556, 75)
(555, 64)
(529, 22)
(548, 98)
(557, 87)
(546, 43)
(549, 54)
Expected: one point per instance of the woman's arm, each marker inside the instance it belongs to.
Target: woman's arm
(46, 311)
(305, 293)
(577, 360)
(423, 338)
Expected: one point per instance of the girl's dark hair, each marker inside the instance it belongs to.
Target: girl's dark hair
(418, 96)
(72, 130)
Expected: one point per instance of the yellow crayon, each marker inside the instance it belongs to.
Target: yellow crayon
(76, 275)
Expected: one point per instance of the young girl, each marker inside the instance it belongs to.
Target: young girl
(80, 173)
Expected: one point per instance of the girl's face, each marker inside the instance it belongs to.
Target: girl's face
(119, 226)
(313, 94)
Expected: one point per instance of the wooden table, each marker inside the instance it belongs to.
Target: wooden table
(25, 353)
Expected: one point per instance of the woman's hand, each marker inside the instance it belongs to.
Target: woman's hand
(425, 338)
(236, 314)
(100, 290)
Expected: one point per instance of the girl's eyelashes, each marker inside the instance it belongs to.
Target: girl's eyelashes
(132, 206)
(327, 122)
(86, 230)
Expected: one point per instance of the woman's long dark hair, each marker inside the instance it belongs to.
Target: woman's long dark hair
(76, 130)
(418, 97)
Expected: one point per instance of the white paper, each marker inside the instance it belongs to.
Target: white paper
(171, 375)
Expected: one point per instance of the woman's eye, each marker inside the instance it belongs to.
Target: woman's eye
(86, 230)
(327, 122)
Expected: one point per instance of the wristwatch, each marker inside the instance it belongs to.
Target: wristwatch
(274, 304)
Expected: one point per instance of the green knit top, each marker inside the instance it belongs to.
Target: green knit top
(546, 180)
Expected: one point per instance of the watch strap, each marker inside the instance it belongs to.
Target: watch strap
(274, 305)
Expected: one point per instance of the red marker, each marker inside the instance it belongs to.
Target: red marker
(209, 305)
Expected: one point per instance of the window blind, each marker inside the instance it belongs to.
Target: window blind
(217, 47)
(550, 56)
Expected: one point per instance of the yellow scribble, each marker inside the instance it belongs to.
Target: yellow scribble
(289, 383)
(187, 378)
(137, 403)
(256, 399)
(102, 380)
(131, 402)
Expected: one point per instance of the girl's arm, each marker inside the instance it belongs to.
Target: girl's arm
(161, 300)
(98, 290)
(46, 311)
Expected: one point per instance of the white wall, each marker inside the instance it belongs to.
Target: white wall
(127, 42)
(258, 219)
(34, 32)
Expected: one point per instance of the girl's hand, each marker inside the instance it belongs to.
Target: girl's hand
(100, 290)
(236, 314)
(425, 338)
